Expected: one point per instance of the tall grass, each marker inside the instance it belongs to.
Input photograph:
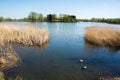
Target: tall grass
(28, 36)
(103, 36)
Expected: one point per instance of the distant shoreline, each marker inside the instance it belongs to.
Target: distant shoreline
(38, 17)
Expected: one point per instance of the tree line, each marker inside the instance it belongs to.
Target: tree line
(38, 17)
(5, 19)
(108, 20)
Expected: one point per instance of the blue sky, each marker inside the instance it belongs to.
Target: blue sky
(80, 8)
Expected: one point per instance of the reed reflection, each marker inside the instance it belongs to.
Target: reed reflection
(91, 46)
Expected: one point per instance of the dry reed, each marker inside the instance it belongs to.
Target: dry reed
(103, 36)
(27, 36)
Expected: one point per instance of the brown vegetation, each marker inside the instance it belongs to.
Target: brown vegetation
(8, 59)
(28, 36)
(104, 36)
(25, 34)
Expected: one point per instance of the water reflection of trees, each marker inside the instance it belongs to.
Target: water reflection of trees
(96, 47)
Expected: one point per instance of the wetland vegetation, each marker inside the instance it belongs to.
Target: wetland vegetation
(38, 30)
(59, 40)
(103, 36)
(15, 59)
(11, 34)
(28, 36)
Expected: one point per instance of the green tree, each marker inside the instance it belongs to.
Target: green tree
(65, 18)
(54, 16)
(51, 17)
(8, 19)
(1, 18)
(40, 17)
(32, 16)
(68, 18)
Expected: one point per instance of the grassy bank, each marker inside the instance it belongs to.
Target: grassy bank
(27, 36)
(103, 36)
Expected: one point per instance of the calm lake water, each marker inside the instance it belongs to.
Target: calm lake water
(59, 58)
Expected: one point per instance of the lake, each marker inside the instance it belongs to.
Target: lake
(59, 59)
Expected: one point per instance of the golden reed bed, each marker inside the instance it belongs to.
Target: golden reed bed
(14, 33)
(103, 36)
(27, 36)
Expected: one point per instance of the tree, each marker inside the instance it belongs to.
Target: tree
(32, 16)
(60, 17)
(1, 18)
(73, 16)
(8, 19)
(54, 16)
(51, 17)
(65, 18)
(40, 17)
(68, 18)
